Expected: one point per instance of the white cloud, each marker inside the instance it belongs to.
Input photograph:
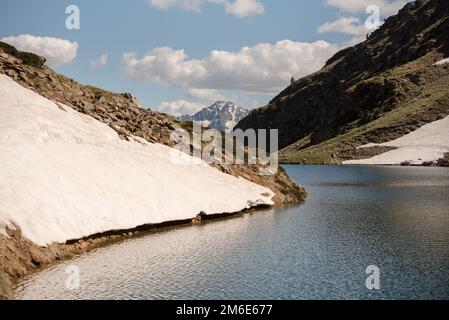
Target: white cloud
(206, 94)
(191, 5)
(56, 51)
(238, 8)
(387, 7)
(354, 26)
(180, 107)
(244, 8)
(164, 65)
(347, 25)
(263, 68)
(100, 61)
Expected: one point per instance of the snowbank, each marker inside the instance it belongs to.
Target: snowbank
(428, 143)
(441, 62)
(64, 175)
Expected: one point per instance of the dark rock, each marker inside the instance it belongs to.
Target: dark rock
(27, 58)
(128, 96)
(444, 162)
(199, 218)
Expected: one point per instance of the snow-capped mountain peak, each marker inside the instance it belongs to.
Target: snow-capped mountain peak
(222, 115)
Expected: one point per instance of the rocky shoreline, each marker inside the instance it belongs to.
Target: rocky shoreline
(21, 257)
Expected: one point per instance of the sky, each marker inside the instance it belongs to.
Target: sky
(178, 56)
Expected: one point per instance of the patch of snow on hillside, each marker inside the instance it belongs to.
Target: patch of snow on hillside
(65, 175)
(441, 62)
(428, 143)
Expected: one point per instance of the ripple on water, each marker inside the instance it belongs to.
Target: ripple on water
(355, 217)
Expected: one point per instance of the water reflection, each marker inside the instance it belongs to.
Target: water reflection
(395, 218)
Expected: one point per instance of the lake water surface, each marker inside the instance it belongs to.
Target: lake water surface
(394, 218)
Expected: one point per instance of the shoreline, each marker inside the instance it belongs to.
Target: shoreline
(367, 165)
(31, 258)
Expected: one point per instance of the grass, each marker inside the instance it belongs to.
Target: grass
(30, 59)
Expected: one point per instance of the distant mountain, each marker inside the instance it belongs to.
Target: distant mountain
(373, 93)
(221, 115)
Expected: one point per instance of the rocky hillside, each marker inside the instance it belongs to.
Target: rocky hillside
(120, 111)
(221, 115)
(123, 113)
(374, 92)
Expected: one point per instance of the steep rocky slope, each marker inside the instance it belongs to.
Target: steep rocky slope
(374, 92)
(120, 111)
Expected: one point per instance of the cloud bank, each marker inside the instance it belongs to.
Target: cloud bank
(263, 68)
(205, 94)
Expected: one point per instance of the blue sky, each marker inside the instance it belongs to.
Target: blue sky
(211, 34)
